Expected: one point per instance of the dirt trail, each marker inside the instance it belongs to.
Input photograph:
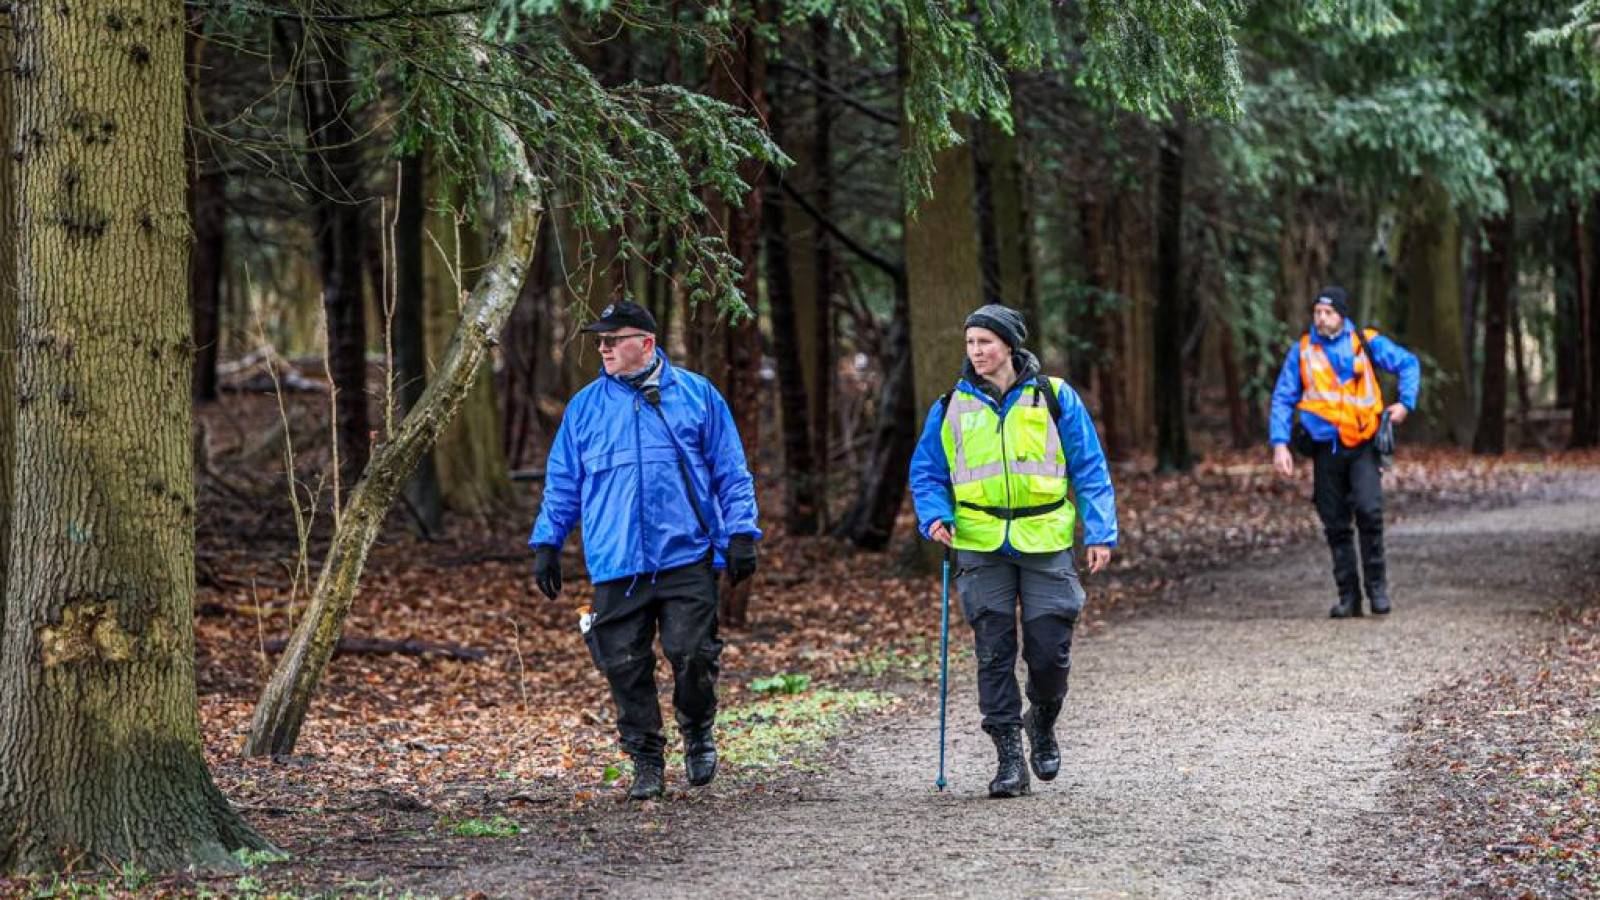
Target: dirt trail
(1231, 741)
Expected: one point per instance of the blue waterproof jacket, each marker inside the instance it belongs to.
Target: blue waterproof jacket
(1086, 467)
(615, 466)
(1386, 355)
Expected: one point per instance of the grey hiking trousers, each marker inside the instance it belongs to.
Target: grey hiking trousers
(991, 584)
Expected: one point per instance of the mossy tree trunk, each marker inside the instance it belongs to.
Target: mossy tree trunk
(8, 311)
(1433, 315)
(944, 275)
(101, 761)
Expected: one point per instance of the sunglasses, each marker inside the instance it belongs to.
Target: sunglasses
(607, 341)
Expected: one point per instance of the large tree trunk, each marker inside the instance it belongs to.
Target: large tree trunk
(284, 702)
(469, 458)
(795, 413)
(336, 174)
(101, 762)
(1107, 329)
(411, 332)
(1172, 428)
(1500, 278)
(1433, 316)
(1013, 225)
(1586, 397)
(1585, 424)
(208, 212)
(943, 276)
(1520, 368)
(8, 313)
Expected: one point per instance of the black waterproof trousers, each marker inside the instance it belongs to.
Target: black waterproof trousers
(1345, 485)
(681, 604)
(1046, 585)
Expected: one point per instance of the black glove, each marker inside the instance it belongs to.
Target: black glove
(741, 557)
(547, 570)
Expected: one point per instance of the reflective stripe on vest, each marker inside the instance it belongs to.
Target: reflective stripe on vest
(1354, 406)
(1015, 463)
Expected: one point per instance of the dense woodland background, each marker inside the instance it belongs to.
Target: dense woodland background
(374, 200)
(1440, 159)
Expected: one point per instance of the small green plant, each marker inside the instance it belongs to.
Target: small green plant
(134, 878)
(611, 775)
(784, 683)
(497, 827)
(252, 858)
(784, 729)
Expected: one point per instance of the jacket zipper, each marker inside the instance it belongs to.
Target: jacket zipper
(638, 457)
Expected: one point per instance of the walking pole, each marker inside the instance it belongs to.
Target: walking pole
(944, 663)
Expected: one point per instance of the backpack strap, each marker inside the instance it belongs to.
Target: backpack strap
(1043, 385)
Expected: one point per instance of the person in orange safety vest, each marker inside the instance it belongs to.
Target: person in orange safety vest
(1330, 377)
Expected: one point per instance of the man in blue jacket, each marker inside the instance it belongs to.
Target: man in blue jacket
(990, 478)
(648, 461)
(1330, 376)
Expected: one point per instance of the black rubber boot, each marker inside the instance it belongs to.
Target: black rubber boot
(1011, 777)
(1348, 578)
(700, 757)
(649, 779)
(1045, 755)
(1374, 571)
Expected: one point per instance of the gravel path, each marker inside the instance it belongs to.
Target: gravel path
(1231, 741)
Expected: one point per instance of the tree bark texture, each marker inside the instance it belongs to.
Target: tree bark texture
(8, 311)
(1433, 316)
(282, 708)
(881, 489)
(1500, 278)
(1585, 424)
(1015, 284)
(1172, 428)
(943, 276)
(1107, 330)
(101, 760)
(411, 330)
(795, 414)
(335, 166)
(469, 459)
(1587, 395)
(208, 211)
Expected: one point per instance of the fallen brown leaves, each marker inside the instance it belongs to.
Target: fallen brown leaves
(1503, 773)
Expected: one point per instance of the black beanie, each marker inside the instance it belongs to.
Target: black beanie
(1334, 296)
(1002, 320)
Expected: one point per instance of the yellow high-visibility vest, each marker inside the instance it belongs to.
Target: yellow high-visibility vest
(1009, 475)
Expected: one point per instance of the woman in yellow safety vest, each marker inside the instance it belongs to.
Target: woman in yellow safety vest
(1330, 377)
(991, 478)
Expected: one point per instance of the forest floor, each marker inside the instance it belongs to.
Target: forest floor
(1224, 738)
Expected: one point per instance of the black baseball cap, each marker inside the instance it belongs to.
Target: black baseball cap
(620, 315)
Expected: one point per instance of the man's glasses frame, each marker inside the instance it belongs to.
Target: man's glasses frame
(607, 341)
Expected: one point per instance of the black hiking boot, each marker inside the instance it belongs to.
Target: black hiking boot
(1374, 571)
(700, 757)
(1348, 578)
(1045, 755)
(1011, 778)
(648, 779)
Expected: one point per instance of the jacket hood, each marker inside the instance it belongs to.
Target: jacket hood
(1026, 364)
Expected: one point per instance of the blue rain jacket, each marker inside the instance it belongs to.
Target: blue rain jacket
(614, 465)
(1086, 467)
(1386, 355)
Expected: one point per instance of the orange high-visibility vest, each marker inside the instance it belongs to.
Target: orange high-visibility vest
(1355, 406)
